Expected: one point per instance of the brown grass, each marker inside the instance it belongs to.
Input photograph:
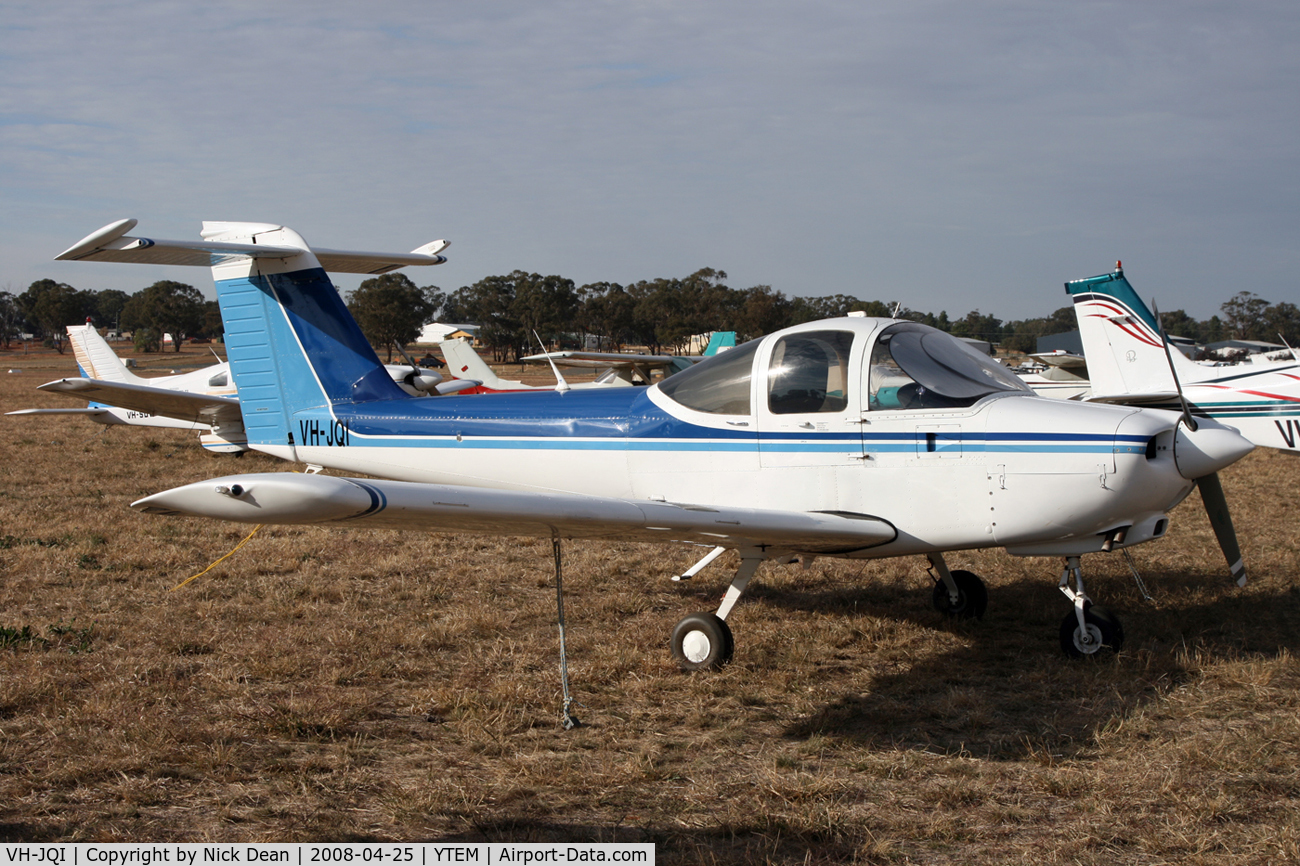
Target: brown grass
(364, 685)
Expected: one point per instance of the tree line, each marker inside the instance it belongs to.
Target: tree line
(660, 315)
(514, 310)
(167, 307)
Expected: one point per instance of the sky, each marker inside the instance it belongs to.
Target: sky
(953, 156)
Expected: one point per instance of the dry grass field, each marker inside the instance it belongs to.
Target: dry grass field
(365, 685)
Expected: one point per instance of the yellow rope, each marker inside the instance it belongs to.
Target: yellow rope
(219, 561)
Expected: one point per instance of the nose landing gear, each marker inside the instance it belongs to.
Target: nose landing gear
(1089, 629)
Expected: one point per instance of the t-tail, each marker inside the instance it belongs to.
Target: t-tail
(1122, 341)
(293, 346)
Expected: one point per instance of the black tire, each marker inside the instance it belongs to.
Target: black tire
(702, 642)
(1107, 635)
(972, 596)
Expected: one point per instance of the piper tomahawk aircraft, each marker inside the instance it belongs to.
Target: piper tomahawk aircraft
(855, 437)
(1127, 363)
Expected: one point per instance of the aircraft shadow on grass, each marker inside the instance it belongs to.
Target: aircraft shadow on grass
(998, 696)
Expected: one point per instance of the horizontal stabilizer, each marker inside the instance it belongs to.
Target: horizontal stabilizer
(286, 498)
(88, 412)
(182, 405)
(113, 244)
(1134, 399)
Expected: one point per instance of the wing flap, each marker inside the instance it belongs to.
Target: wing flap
(182, 405)
(282, 498)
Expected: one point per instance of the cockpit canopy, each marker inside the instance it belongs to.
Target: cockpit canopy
(917, 367)
(911, 366)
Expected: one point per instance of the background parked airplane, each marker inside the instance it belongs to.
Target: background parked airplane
(1128, 364)
(203, 399)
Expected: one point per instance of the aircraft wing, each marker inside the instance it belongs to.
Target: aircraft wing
(182, 405)
(291, 498)
(113, 244)
(1061, 359)
(602, 360)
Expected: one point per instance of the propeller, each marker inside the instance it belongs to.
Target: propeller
(1205, 450)
(424, 381)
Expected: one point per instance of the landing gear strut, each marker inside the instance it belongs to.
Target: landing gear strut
(1089, 629)
(703, 641)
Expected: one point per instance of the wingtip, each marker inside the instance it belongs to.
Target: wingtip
(96, 239)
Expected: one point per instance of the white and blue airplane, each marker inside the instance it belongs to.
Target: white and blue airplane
(1128, 364)
(860, 438)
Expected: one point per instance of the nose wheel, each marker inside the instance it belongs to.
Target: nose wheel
(1089, 629)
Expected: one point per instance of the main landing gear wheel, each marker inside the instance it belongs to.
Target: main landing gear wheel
(1103, 634)
(702, 641)
(972, 596)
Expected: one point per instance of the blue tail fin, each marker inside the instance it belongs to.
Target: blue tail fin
(292, 344)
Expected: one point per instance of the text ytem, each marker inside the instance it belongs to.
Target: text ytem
(329, 433)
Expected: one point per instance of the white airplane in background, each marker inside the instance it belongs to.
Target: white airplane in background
(1064, 376)
(202, 399)
(858, 438)
(618, 370)
(1128, 364)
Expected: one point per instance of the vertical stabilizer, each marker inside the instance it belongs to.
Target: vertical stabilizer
(464, 363)
(1122, 341)
(96, 358)
(292, 344)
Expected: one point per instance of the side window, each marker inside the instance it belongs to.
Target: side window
(809, 372)
(717, 385)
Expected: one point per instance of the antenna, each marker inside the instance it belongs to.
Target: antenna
(560, 384)
(898, 305)
(1178, 386)
(1294, 356)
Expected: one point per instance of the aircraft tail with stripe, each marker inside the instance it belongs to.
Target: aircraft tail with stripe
(291, 343)
(1122, 342)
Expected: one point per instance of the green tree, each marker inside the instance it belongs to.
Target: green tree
(11, 318)
(392, 309)
(490, 303)
(1283, 320)
(1244, 315)
(547, 306)
(607, 311)
(167, 307)
(53, 306)
(109, 304)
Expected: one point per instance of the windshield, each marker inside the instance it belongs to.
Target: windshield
(717, 385)
(917, 367)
